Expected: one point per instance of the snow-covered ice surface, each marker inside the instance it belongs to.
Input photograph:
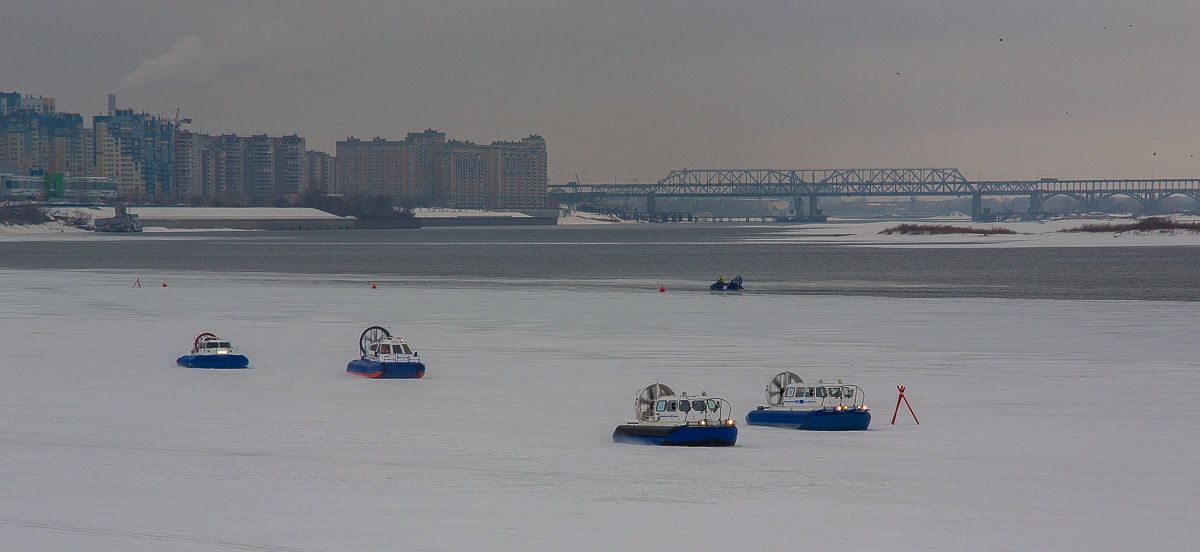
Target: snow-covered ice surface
(581, 217)
(847, 232)
(1031, 233)
(436, 212)
(1045, 425)
(233, 213)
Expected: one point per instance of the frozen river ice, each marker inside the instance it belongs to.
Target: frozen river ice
(1045, 425)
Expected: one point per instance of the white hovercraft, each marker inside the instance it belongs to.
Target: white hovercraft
(664, 418)
(819, 406)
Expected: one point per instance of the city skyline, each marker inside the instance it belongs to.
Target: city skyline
(630, 92)
(132, 154)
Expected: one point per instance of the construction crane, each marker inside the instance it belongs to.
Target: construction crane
(177, 120)
(187, 120)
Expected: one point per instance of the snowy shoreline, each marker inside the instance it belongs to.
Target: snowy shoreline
(1032, 233)
(848, 232)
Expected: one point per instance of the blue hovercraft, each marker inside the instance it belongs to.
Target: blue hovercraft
(385, 357)
(209, 351)
(793, 404)
(664, 418)
(727, 285)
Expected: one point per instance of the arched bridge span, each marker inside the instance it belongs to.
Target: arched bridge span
(806, 186)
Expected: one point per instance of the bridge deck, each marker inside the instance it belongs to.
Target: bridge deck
(814, 183)
(864, 182)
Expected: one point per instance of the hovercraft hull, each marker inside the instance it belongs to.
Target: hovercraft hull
(684, 436)
(812, 420)
(386, 370)
(213, 361)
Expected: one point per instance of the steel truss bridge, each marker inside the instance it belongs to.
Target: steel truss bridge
(806, 186)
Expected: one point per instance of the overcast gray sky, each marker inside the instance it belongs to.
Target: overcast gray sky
(626, 90)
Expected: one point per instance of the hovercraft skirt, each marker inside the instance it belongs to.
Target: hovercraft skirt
(213, 361)
(812, 420)
(686, 436)
(386, 370)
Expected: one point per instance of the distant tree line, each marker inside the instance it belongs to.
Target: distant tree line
(363, 207)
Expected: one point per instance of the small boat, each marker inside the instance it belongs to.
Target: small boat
(664, 418)
(726, 285)
(385, 356)
(819, 406)
(210, 351)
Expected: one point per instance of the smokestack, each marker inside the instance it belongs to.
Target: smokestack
(112, 104)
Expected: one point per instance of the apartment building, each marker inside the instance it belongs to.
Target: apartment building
(425, 169)
(137, 150)
(320, 172)
(373, 168)
(36, 139)
(257, 169)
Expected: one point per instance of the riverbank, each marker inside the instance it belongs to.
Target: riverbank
(1057, 232)
(78, 218)
(1049, 233)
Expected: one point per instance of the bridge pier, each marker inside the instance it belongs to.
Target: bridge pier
(1035, 205)
(977, 207)
(806, 208)
(650, 207)
(1152, 203)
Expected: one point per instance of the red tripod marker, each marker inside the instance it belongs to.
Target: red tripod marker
(910, 410)
(137, 283)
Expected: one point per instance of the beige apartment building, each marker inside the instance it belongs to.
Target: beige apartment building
(425, 169)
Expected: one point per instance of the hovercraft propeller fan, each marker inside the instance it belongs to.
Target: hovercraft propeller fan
(780, 381)
(202, 337)
(371, 335)
(648, 396)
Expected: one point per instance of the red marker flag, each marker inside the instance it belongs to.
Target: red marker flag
(910, 410)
